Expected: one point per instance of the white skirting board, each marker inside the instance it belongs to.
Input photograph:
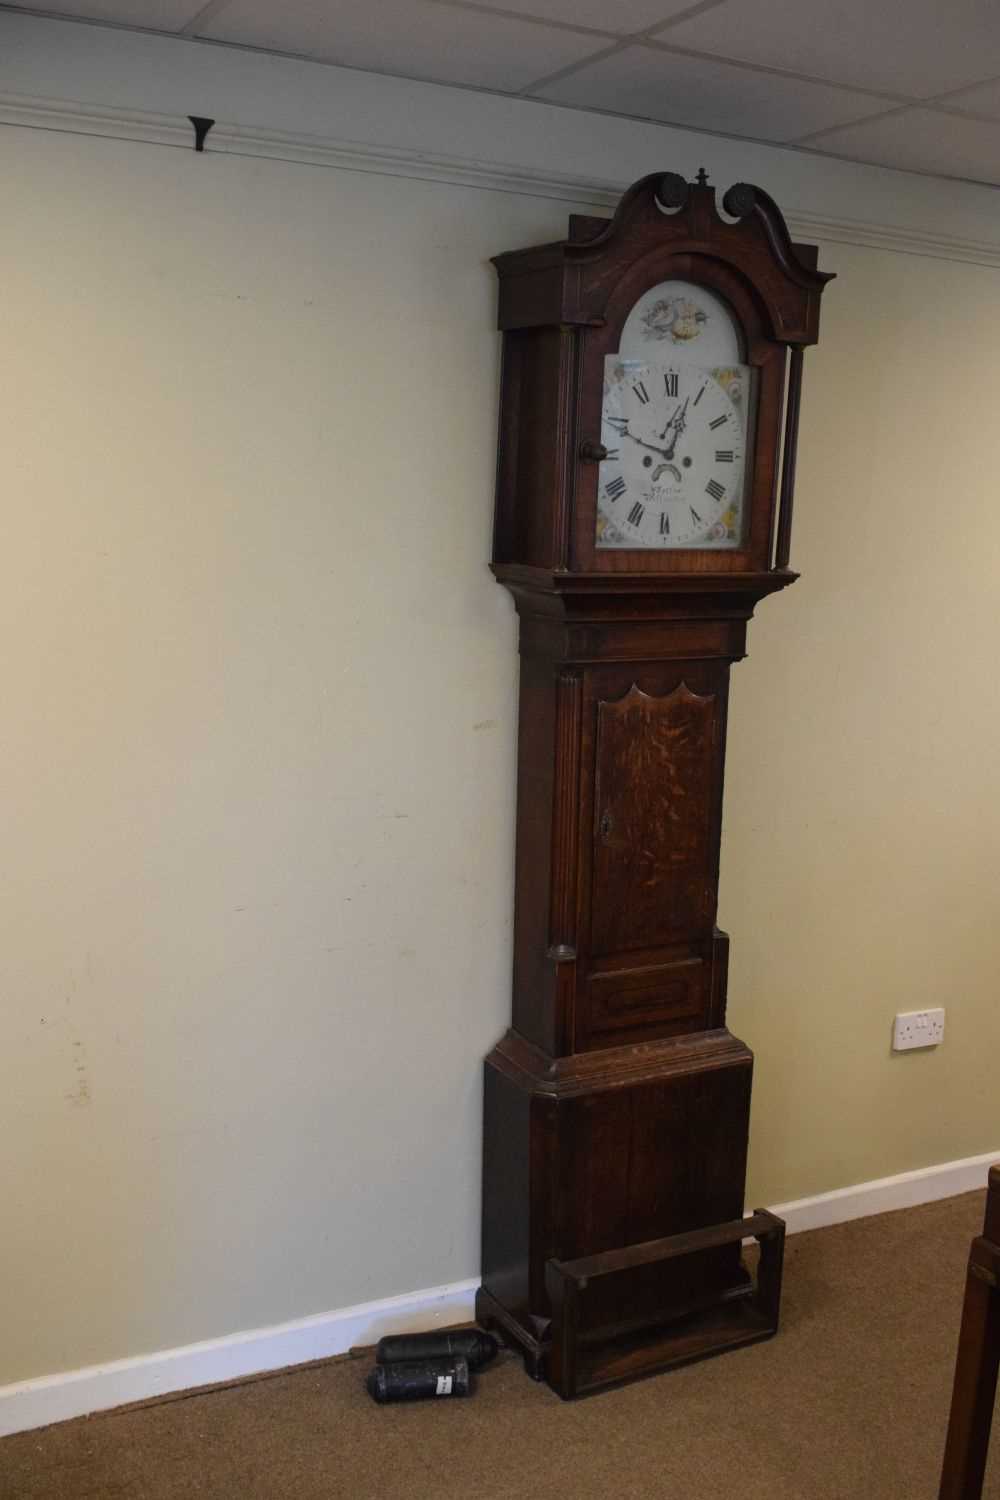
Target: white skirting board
(75, 1393)
(926, 1185)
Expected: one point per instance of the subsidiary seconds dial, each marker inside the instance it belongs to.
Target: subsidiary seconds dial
(675, 442)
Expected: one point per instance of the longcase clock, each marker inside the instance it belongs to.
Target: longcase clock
(649, 410)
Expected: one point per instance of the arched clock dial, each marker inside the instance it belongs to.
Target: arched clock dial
(675, 425)
(676, 447)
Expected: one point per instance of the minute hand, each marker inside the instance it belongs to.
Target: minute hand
(622, 428)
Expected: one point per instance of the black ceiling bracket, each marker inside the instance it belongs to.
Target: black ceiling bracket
(201, 128)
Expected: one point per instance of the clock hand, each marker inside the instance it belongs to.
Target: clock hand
(670, 421)
(621, 427)
(663, 452)
(678, 422)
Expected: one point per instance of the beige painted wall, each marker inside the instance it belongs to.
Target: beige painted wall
(863, 792)
(258, 728)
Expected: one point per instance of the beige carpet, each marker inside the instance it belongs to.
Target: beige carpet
(849, 1401)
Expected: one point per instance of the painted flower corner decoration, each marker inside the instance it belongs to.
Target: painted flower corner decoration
(674, 318)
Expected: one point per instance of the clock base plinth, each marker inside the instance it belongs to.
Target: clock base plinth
(612, 1209)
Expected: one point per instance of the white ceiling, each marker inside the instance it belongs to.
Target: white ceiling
(903, 83)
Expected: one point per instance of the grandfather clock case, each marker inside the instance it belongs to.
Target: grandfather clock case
(650, 391)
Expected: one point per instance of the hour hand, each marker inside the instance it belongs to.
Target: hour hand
(677, 423)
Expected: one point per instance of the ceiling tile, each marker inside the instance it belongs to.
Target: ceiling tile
(707, 95)
(984, 100)
(922, 140)
(914, 47)
(416, 38)
(620, 17)
(152, 15)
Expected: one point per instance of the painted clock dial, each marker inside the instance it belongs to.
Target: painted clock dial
(675, 425)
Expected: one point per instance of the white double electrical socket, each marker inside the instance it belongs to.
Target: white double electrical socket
(917, 1028)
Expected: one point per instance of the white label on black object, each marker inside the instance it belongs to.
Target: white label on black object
(444, 1385)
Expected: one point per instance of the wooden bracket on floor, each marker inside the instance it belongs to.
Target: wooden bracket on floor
(691, 1317)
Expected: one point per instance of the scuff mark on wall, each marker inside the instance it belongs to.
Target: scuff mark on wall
(79, 1094)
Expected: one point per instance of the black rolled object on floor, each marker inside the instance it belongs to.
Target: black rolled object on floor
(464, 1343)
(417, 1380)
